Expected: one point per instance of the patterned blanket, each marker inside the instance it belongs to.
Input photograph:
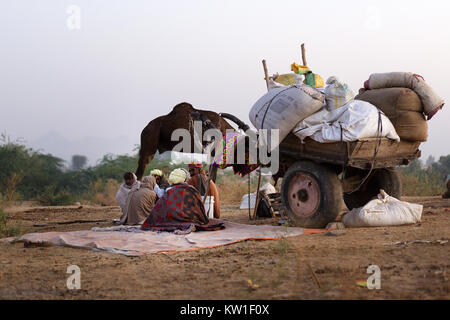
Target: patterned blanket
(181, 208)
(226, 155)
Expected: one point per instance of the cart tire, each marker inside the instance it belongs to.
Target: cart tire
(387, 179)
(311, 194)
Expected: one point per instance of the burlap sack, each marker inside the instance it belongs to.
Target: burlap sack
(432, 103)
(411, 126)
(403, 107)
(392, 100)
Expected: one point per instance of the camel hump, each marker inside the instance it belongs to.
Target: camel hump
(183, 107)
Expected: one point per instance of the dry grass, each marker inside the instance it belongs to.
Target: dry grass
(232, 187)
(103, 192)
(414, 186)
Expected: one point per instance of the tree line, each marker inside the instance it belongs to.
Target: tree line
(26, 174)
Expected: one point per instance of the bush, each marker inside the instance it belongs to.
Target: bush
(419, 181)
(233, 187)
(51, 198)
(5, 229)
(103, 193)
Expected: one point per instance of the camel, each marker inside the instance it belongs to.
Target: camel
(156, 136)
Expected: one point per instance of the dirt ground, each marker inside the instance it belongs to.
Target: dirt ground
(319, 266)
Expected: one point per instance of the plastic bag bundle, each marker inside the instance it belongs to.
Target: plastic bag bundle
(383, 211)
(288, 79)
(355, 120)
(337, 94)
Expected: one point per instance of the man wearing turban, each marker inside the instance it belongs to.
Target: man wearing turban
(199, 181)
(161, 183)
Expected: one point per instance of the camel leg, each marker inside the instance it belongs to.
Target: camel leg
(149, 146)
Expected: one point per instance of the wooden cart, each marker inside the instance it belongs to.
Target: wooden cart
(318, 176)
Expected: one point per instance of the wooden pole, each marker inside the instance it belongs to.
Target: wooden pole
(304, 55)
(266, 77)
(208, 181)
(257, 195)
(266, 74)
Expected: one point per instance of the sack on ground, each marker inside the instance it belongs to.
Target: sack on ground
(337, 93)
(282, 108)
(432, 103)
(355, 120)
(383, 211)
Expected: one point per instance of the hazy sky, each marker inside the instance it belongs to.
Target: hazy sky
(132, 61)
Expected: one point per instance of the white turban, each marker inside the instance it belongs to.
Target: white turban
(177, 176)
(156, 172)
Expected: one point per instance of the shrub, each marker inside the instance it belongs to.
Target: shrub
(51, 198)
(5, 229)
(419, 181)
(233, 187)
(103, 192)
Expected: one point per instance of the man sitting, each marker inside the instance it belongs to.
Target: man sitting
(161, 182)
(130, 182)
(446, 195)
(199, 181)
(180, 208)
(140, 202)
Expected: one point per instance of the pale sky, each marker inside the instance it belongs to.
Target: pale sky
(132, 61)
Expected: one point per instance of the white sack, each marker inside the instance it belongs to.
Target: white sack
(268, 188)
(282, 108)
(337, 93)
(432, 103)
(384, 211)
(244, 201)
(275, 85)
(359, 119)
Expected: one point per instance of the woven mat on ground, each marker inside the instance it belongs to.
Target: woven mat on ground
(140, 242)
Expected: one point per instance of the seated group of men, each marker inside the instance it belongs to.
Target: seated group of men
(157, 201)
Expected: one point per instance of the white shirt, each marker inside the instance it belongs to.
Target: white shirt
(159, 192)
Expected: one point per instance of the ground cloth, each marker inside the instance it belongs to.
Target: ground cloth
(141, 242)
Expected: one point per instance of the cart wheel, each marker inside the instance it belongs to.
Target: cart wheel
(387, 179)
(312, 194)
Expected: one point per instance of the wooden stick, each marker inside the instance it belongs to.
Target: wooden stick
(248, 198)
(266, 74)
(70, 222)
(257, 195)
(207, 188)
(304, 55)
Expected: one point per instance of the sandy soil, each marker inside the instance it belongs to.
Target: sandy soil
(320, 266)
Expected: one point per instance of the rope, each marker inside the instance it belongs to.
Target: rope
(249, 211)
(379, 135)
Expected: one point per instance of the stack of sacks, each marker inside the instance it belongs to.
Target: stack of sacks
(403, 107)
(405, 98)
